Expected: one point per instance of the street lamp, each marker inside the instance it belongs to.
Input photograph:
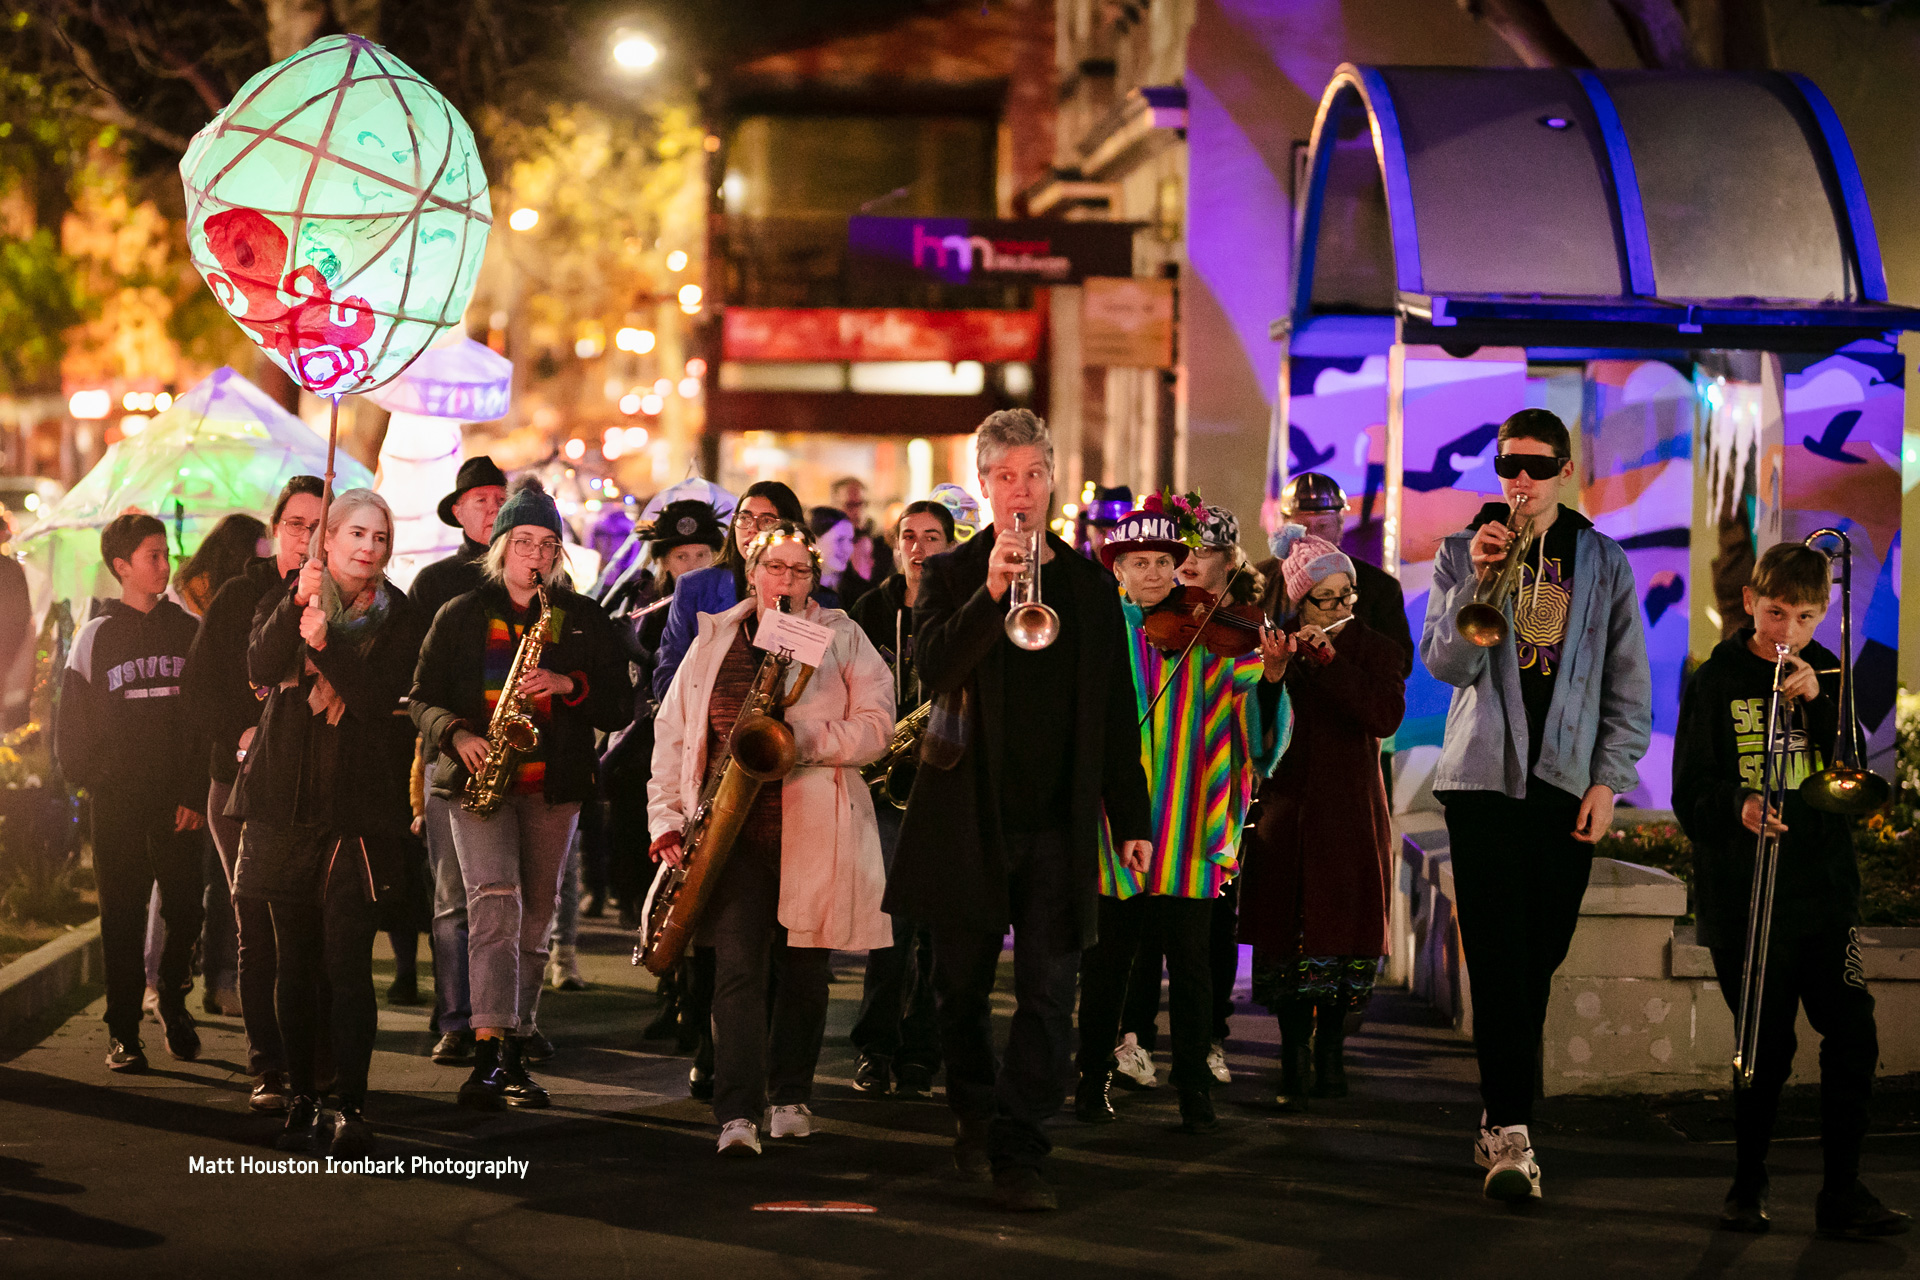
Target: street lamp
(524, 219)
(634, 52)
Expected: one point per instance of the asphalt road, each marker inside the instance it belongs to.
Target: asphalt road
(97, 1172)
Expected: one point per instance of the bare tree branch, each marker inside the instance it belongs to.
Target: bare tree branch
(1658, 33)
(109, 109)
(292, 25)
(1530, 30)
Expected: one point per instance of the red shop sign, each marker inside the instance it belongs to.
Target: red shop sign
(837, 333)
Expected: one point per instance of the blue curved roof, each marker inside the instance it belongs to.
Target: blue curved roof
(1588, 208)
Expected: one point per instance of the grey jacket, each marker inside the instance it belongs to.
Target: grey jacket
(1601, 716)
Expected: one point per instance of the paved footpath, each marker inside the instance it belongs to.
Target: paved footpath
(621, 1180)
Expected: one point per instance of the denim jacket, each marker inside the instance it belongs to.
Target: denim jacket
(1601, 716)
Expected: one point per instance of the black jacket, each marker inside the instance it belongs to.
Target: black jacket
(454, 575)
(123, 730)
(876, 613)
(351, 777)
(1716, 765)
(951, 867)
(222, 701)
(449, 690)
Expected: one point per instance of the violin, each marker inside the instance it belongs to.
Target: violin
(1191, 617)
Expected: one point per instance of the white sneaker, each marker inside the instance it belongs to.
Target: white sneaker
(1512, 1175)
(1217, 1063)
(739, 1138)
(1486, 1145)
(1135, 1066)
(793, 1121)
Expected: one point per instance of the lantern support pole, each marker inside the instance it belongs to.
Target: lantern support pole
(326, 483)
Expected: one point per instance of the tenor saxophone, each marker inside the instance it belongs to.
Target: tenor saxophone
(759, 750)
(511, 734)
(891, 776)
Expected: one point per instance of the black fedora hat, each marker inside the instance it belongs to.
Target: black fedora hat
(475, 473)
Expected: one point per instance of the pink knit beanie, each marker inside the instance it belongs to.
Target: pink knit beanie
(1305, 560)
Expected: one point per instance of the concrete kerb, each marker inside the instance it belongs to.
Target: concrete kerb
(45, 976)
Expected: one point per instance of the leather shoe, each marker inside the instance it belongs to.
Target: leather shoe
(125, 1055)
(912, 1082)
(1091, 1101)
(352, 1135)
(1857, 1214)
(454, 1049)
(1196, 1112)
(303, 1125)
(699, 1084)
(269, 1096)
(404, 990)
(535, 1047)
(1745, 1209)
(1022, 1190)
(970, 1150)
(870, 1074)
(521, 1090)
(486, 1088)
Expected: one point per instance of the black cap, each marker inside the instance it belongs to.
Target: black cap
(684, 523)
(475, 473)
(1311, 491)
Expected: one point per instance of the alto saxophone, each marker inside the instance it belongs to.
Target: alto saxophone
(759, 750)
(891, 776)
(511, 734)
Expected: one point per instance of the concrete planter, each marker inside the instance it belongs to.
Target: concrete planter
(1635, 1007)
(44, 976)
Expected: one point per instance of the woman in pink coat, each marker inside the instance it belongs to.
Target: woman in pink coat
(805, 876)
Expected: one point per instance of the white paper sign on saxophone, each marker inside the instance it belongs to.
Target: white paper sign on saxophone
(806, 641)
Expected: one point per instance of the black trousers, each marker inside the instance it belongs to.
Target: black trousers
(1019, 1092)
(761, 1056)
(898, 1019)
(328, 942)
(1820, 972)
(1184, 927)
(1142, 1016)
(1518, 877)
(135, 846)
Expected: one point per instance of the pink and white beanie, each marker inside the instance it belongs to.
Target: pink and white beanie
(1306, 561)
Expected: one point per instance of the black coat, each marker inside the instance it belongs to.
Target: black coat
(449, 690)
(450, 576)
(350, 778)
(220, 698)
(951, 869)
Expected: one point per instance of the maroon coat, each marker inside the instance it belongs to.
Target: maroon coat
(1318, 852)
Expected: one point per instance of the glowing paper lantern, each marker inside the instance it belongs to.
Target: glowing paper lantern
(338, 210)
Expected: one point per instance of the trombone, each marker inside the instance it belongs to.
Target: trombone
(1766, 863)
(1483, 619)
(1030, 623)
(1845, 785)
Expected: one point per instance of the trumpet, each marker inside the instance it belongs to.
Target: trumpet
(1845, 785)
(1030, 623)
(1483, 620)
(1766, 863)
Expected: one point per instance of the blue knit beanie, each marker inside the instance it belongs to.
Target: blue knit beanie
(527, 503)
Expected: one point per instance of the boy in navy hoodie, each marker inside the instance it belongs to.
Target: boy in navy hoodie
(123, 734)
(1813, 959)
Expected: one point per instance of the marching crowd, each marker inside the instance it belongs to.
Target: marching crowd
(1188, 759)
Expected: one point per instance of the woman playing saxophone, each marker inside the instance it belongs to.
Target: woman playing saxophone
(804, 877)
(511, 839)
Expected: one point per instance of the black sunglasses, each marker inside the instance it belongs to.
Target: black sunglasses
(1540, 466)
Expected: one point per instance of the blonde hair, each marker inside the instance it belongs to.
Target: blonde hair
(556, 574)
(345, 505)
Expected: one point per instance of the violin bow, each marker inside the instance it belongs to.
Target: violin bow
(1197, 631)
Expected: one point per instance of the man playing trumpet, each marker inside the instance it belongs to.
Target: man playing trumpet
(1551, 711)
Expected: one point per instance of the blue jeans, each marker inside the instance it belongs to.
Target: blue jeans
(451, 999)
(511, 864)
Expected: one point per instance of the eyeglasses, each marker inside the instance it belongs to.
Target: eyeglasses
(748, 520)
(534, 548)
(775, 569)
(1540, 466)
(305, 527)
(1346, 597)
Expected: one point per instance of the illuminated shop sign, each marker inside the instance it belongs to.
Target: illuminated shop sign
(987, 251)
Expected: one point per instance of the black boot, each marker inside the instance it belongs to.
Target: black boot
(1329, 1051)
(1745, 1209)
(666, 1023)
(521, 1090)
(486, 1088)
(303, 1125)
(1196, 1111)
(1855, 1213)
(1296, 1035)
(352, 1135)
(1091, 1103)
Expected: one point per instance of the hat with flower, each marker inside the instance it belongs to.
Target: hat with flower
(1305, 561)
